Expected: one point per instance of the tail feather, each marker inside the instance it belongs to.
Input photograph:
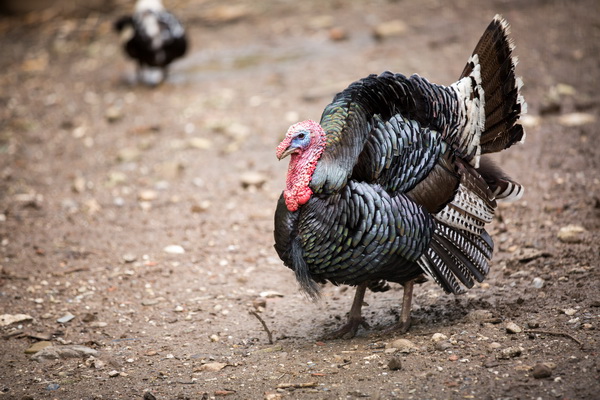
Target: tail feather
(456, 257)
(501, 185)
(504, 103)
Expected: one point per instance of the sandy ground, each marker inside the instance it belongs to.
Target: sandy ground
(137, 222)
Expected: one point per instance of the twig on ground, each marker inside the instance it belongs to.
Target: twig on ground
(565, 334)
(264, 324)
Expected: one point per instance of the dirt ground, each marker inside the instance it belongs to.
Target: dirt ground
(137, 222)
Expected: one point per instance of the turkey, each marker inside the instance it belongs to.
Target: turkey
(393, 183)
(153, 37)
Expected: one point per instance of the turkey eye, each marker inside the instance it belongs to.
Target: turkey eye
(301, 136)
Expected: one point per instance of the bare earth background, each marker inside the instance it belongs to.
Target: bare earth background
(98, 177)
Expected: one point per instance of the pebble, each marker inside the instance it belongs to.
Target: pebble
(200, 143)
(533, 324)
(113, 373)
(128, 154)
(147, 195)
(495, 345)
(570, 311)
(34, 348)
(541, 371)
(443, 345)
(395, 364)
(576, 119)
(388, 29)
(202, 206)
(62, 352)
(403, 345)
(212, 367)
(65, 318)
(269, 294)
(511, 327)
(538, 283)
(113, 114)
(174, 249)
(129, 258)
(9, 319)
(510, 352)
(571, 234)
(149, 396)
(438, 337)
(253, 179)
(479, 315)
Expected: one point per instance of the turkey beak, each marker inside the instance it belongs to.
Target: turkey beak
(287, 152)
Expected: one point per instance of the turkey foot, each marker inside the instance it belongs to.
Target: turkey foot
(355, 319)
(402, 326)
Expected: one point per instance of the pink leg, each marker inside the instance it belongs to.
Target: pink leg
(404, 323)
(355, 319)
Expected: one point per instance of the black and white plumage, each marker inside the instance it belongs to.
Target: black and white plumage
(152, 36)
(393, 183)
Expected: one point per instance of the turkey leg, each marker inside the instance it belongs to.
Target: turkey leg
(355, 319)
(404, 323)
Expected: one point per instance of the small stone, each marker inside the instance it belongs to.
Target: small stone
(390, 29)
(253, 179)
(511, 327)
(438, 337)
(150, 302)
(149, 396)
(576, 119)
(147, 195)
(63, 352)
(395, 364)
(113, 114)
(541, 371)
(479, 315)
(202, 206)
(538, 283)
(403, 345)
(114, 373)
(269, 294)
(570, 311)
(533, 324)
(9, 319)
(53, 386)
(129, 258)
(337, 34)
(510, 352)
(65, 318)
(38, 346)
(214, 338)
(128, 154)
(571, 234)
(212, 367)
(259, 303)
(200, 143)
(494, 346)
(443, 345)
(174, 249)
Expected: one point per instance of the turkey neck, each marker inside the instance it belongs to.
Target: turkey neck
(300, 171)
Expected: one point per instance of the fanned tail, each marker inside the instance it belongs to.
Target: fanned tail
(456, 258)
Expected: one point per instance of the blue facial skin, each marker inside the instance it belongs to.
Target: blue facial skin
(301, 140)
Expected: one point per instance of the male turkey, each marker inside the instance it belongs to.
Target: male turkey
(391, 184)
(153, 37)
